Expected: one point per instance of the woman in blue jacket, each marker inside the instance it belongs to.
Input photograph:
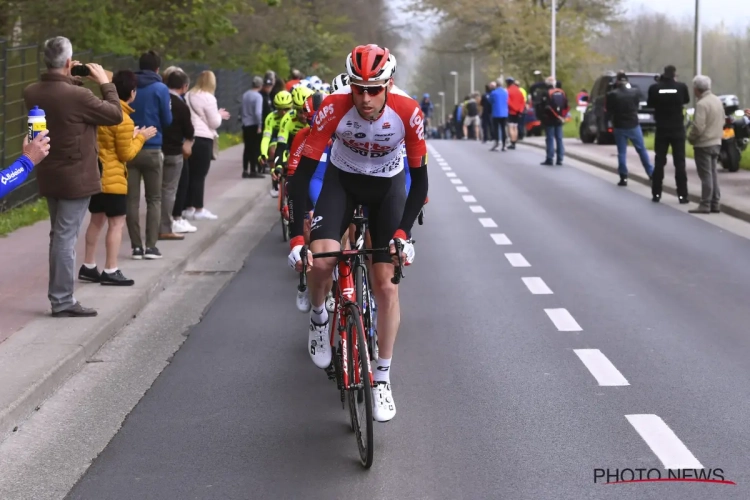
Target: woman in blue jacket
(33, 152)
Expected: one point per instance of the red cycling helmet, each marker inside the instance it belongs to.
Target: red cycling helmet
(367, 63)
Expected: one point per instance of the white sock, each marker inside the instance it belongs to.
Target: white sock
(110, 271)
(319, 314)
(382, 371)
(89, 266)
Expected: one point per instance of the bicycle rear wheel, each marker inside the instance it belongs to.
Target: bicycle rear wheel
(360, 398)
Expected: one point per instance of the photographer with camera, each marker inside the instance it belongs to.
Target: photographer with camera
(70, 175)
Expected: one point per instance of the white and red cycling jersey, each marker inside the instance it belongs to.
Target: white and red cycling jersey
(367, 147)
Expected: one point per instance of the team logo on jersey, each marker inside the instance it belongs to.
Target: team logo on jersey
(386, 125)
(354, 125)
(348, 134)
(360, 135)
(415, 122)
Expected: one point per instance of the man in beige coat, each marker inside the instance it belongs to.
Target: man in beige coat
(70, 174)
(705, 136)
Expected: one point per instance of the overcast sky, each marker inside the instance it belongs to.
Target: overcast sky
(734, 13)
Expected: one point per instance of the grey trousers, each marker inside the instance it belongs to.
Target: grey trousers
(170, 180)
(66, 218)
(146, 165)
(705, 161)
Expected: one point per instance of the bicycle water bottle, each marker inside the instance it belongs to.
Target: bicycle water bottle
(37, 122)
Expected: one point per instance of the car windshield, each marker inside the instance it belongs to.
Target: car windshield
(642, 82)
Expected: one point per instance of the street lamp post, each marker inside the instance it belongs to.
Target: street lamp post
(442, 104)
(455, 87)
(698, 45)
(553, 44)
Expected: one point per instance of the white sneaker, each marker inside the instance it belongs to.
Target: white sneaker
(330, 302)
(183, 226)
(274, 193)
(303, 301)
(188, 213)
(204, 215)
(383, 409)
(319, 345)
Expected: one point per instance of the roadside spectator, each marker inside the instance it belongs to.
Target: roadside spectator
(427, 107)
(516, 107)
(554, 107)
(179, 223)
(471, 119)
(252, 128)
(33, 153)
(265, 92)
(294, 78)
(622, 105)
(151, 109)
(118, 144)
(499, 101)
(705, 135)
(667, 97)
(487, 130)
(70, 174)
(178, 142)
(458, 121)
(206, 117)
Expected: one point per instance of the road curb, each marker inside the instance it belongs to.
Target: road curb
(725, 208)
(56, 375)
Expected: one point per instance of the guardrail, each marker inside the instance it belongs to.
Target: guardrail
(21, 66)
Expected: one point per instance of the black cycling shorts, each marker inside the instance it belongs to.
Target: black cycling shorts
(384, 197)
(514, 118)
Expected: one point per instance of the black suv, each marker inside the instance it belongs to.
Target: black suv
(595, 127)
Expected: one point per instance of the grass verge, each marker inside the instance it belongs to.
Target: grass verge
(227, 140)
(23, 216)
(570, 131)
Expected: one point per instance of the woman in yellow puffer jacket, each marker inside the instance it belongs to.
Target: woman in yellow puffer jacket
(118, 145)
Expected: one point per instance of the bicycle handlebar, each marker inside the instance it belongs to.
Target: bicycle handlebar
(398, 272)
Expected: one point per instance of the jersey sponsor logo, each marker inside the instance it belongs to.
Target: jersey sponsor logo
(10, 176)
(354, 125)
(415, 122)
(348, 134)
(360, 135)
(668, 91)
(323, 116)
(386, 125)
(384, 137)
(316, 222)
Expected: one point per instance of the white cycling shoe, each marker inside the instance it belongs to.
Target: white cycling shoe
(384, 409)
(303, 301)
(330, 303)
(318, 345)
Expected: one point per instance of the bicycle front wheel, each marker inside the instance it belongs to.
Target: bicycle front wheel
(360, 392)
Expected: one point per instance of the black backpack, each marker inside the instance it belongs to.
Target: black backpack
(471, 108)
(556, 101)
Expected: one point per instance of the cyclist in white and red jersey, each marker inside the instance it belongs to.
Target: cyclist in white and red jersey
(371, 121)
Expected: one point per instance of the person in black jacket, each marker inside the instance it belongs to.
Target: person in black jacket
(667, 97)
(622, 108)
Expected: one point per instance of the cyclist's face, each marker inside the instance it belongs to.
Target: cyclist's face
(282, 112)
(369, 97)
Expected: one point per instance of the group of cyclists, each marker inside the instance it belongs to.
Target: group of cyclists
(358, 142)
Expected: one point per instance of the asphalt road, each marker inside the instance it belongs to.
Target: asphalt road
(626, 347)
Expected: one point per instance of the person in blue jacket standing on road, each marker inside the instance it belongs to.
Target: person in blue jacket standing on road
(499, 100)
(33, 153)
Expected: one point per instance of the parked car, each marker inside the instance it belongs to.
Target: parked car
(595, 126)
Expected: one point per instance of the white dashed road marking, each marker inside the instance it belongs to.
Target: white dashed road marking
(563, 320)
(500, 239)
(456, 181)
(487, 223)
(469, 198)
(450, 174)
(664, 442)
(462, 189)
(537, 286)
(601, 368)
(477, 209)
(446, 169)
(517, 260)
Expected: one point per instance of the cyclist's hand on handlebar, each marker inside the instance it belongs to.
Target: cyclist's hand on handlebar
(295, 259)
(407, 251)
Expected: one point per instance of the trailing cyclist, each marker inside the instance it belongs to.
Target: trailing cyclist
(283, 103)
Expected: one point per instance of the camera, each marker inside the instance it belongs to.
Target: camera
(80, 70)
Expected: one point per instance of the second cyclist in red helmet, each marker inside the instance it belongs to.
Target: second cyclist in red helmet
(371, 119)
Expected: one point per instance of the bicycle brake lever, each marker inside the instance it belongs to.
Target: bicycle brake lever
(397, 272)
(303, 275)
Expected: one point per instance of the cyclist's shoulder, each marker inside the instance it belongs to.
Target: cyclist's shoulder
(403, 104)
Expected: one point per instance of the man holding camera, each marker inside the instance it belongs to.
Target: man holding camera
(70, 174)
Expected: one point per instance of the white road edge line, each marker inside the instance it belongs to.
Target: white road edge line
(665, 444)
(605, 373)
(517, 260)
(487, 222)
(462, 189)
(456, 181)
(537, 286)
(500, 239)
(469, 198)
(563, 320)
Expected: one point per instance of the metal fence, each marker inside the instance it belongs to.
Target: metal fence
(21, 66)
